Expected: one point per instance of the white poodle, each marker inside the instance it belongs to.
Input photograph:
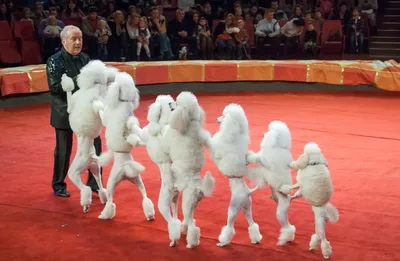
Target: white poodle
(314, 183)
(184, 142)
(273, 159)
(83, 108)
(152, 135)
(122, 135)
(229, 148)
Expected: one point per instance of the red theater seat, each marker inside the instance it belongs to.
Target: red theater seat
(332, 49)
(9, 53)
(24, 31)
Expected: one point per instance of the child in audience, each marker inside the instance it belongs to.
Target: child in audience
(205, 39)
(242, 39)
(310, 39)
(27, 15)
(102, 35)
(356, 24)
(143, 36)
(52, 28)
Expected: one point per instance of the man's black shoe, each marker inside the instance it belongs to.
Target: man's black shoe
(62, 193)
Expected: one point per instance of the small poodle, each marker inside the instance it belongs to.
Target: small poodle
(184, 142)
(273, 159)
(122, 135)
(83, 108)
(152, 136)
(314, 183)
(229, 148)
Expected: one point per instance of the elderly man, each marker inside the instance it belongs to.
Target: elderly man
(69, 61)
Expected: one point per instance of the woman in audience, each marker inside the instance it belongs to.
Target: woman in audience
(298, 13)
(117, 40)
(252, 14)
(158, 31)
(72, 11)
(132, 26)
(131, 13)
(5, 14)
(205, 39)
(27, 15)
(224, 36)
(109, 11)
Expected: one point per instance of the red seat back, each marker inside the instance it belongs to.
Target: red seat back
(74, 22)
(331, 27)
(9, 52)
(25, 30)
(248, 24)
(5, 30)
(282, 23)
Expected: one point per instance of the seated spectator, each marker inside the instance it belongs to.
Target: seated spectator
(298, 13)
(224, 33)
(238, 13)
(131, 13)
(252, 14)
(318, 17)
(207, 13)
(117, 41)
(369, 7)
(342, 15)
(308, 17)
(109, 11)
(160, 11)
(89, 27)
(132, 26)
(72, 11)
(177, 31)
(102, 34)
(288, 6)
(27, 15)
(167, 3)
(39, 15)
(51, 41)
(185, 5)
(158, 31)
(205, 39)
(242, 39)
(306, 5)
(52, 28)
(52, 12)
(267, 32)
(143, 38)
(327, 10)
(356, 31)
(279, 14)
(310, 39)
(5, 14)
(292, 31)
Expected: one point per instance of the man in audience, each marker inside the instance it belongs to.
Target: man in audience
(267, 32)
(292, 31)
(68, 61)
(279, 14)
(51, 42)
(89, 27)
(177, 31)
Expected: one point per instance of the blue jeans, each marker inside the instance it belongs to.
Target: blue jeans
(312, 47)
(165, 45)
(222, 44)
(356, 47)
(102, 52)
(243, 51)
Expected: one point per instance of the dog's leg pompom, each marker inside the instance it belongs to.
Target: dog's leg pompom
(254, 233)
(314, 242)
(86, 198)
(148, 208)
(109, 211)
(174, 231)
(193, 236)
(225, 238)
(287, 235)
(103, 195)
(326, 248)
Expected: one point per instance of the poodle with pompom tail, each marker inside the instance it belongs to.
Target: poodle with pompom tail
(122, 135)
(152, 136)
(84, 107)
(184, 142)
(273, 159)
(229, 148)
(315, 185)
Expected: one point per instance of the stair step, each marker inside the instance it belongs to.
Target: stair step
(377, 44)
(392, 11)
(389, 32)
(391, 18)
(384, 51)
(392, 4)
(390, 25)
(386, 39)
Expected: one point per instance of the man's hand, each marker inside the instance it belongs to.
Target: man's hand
(270, 35)
(263, 35)
(182, 34)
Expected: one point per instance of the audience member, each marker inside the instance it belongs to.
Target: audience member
(89, 27)
(292, 31)
(27, 15)
(279, 14)
(158, 31)
(5, 14)
(132, 26)
(224, 35)
(356, 31)
(369, 7)
(117, 41)
(102, 34)
(310, 39)
(143, 36)
(205, 39)
(242, 39)
(267, 32)
(72, 11)
(298, 13)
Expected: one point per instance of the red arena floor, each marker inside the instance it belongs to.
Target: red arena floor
(358, 133)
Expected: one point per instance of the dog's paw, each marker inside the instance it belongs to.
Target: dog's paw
(67, 83)
(173, 243)
(221, 245)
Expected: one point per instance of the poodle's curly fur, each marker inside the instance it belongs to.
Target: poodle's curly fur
(152, 136)
(273, 159)
(184, 142)
(229, 148)
(315, 185)
(83, 108)
(122, 135)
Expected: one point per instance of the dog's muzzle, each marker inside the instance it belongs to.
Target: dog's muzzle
(219, 119)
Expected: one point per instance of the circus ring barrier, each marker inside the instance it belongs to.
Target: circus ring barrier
(382, 75)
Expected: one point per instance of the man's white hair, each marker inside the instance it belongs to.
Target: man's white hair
(65, 30)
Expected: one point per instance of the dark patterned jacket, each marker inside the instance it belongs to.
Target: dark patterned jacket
(58, 64)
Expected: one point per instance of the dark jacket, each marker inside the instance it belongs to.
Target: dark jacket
(58, 64)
